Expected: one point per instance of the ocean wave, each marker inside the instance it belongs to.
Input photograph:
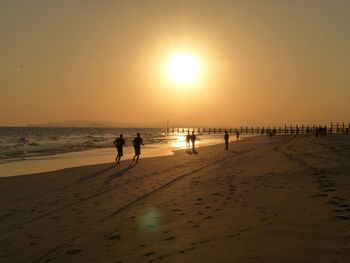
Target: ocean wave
(22, 143)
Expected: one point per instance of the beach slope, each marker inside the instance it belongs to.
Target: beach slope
(283, 199)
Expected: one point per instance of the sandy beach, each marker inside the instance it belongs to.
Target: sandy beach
(283, 199)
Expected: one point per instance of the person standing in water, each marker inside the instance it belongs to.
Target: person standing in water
(137, 142)
(119, 143)
(193, 140)
(226, 137)
(188, 140)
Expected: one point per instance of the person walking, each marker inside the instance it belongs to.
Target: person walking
(119, 143)
(137, 142)
(226, 138)
(188, 140)
(193, 140)
(237, 135)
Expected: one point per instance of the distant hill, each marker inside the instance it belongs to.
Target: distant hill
(82, 124)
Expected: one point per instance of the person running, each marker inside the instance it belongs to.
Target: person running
(226, 138)
(119, 142)
(137, 142)
(237, 135)
(188, 140)
(193, 140)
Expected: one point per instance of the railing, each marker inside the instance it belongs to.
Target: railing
(333, 128)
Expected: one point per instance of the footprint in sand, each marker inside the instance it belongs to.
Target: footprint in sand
(342, 217)
(142, 245)
(73, 251)
(169, 238)
(187, 249)
(149, 254)
(114, 237)
(318, 195)
(329, 190)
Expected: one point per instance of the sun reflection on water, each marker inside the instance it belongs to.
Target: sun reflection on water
(179, 142)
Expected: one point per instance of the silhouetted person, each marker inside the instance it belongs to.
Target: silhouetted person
(307, 131)
(188, 140)
(226, 138)
(119, 143)
(237, 135)
(193, 140)
(137, 142)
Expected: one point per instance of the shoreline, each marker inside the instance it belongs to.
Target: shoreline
(91, 157)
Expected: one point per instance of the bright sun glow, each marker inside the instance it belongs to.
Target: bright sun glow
(183, 68)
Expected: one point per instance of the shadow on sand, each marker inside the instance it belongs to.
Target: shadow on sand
(191, 152)
(93, 175)
(120, 173)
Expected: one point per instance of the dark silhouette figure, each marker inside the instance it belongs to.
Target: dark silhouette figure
(188, 140)
(137, 142)
(119, 143)
(226, 138)
(193, 140)
(237, 135)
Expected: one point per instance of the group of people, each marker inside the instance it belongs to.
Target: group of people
(119, 143)
(191, 138)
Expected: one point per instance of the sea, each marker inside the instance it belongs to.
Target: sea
(26, 150)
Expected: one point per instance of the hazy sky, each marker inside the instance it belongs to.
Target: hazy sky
(263, 62)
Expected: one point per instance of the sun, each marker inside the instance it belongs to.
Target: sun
(183, 68)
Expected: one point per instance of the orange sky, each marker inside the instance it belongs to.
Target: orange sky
(265, 62)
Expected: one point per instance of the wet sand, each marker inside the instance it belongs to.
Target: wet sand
(283, 199)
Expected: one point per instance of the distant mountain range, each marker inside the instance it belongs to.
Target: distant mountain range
(81, 123)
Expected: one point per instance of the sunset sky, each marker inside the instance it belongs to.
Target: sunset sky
(259, 62)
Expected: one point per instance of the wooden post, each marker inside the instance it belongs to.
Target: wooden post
(337, 127)
(285, 129)
(241, 129)
(302, 128)
(246, 130)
